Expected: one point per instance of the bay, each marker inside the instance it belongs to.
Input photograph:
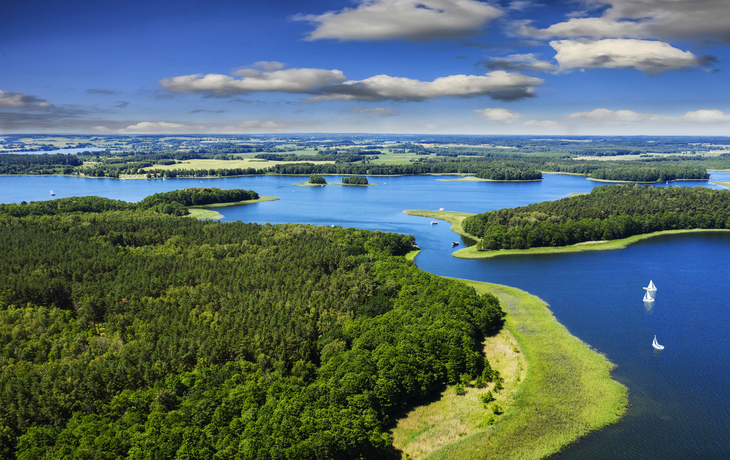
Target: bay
(678, 408)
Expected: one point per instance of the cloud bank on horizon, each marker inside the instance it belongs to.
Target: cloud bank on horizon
(567, 67)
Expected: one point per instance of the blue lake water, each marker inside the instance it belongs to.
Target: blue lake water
(678, 406)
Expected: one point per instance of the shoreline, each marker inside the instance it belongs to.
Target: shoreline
(478, 179)
(205, 212)
(307, 184)
(566, 394)
(456, 218)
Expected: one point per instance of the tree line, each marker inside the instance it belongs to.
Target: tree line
(133, 334)
(608, 212)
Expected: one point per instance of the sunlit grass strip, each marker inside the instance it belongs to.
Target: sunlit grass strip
(724, 184)
(205, 212)
(412, 255)
(454, 218)
(566, 394)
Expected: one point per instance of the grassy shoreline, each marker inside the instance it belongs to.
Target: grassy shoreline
(566, 392)
(456, 219)
(452, 217)
(307, 184)
(206, 212)
(478, 179)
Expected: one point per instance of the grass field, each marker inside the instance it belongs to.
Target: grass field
(564, 392)
(454, 218)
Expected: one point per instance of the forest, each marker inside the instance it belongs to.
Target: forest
(131, 334)
(608, 212)
(174, 202)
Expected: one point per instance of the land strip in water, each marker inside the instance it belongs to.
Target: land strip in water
(564, 392)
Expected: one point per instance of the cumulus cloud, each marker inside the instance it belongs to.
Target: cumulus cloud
(254, 80)
(706, 116)
(663, 19)
(651, 57)
(606, 116)
(517, 62)
(413, 20)
(154, 127)
(498, 85)
(499, 115)
(379, 111)
(10, 100)
(542, 123)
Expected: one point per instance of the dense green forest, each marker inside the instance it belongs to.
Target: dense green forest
(135, 334)
(355, 180)
(174, 202)
(609, 212)
(509, 174)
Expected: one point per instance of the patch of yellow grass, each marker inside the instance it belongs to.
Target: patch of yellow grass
(566, 393)
(452, 217)
(429, 428)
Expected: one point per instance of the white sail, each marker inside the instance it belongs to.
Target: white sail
(656, 345)
(647, 297)
(651, 286)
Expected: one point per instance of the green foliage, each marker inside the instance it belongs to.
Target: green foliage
(459, 389)
(355, 180)
(487, 397)
(131, 334)
(316, 179)
(609, 212)
(497, 173)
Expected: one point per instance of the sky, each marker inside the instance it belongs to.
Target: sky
(582, 67)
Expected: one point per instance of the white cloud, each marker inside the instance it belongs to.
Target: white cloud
(542, 123)
(610, 117)
(650, 57)
(706, 116)
(254, 80)
(403, 19)
(499, 115)
(12, 100)
(379, 111)
(518, 62)
(155, 127)
(498, 85)
(663, 19)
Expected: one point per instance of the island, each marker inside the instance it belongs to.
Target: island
(609, 217)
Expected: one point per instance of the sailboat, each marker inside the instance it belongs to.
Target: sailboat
(52, 194)
(647, 297)
(651, 287)
(656, 345)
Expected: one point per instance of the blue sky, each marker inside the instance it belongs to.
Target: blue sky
(598, 67)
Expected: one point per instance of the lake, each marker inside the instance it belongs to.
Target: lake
(677, 403)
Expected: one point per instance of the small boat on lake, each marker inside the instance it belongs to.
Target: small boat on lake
(454, 243)
(52, 194)
(647, 297)
(656, 345)
(651, 287)
(433, 222)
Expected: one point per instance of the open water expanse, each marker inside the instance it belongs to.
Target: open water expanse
(678, 398)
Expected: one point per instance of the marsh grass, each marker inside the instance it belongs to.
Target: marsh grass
(565, 393)
(452, 217)
(429, 428)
